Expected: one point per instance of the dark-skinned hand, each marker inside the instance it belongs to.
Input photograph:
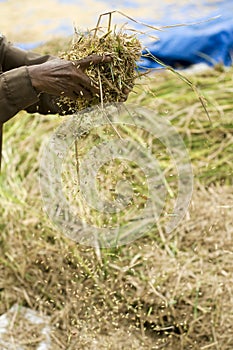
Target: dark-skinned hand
(61, 77)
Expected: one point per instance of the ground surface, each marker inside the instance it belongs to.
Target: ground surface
(160, 292)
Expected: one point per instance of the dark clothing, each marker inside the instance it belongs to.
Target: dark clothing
(16, 90)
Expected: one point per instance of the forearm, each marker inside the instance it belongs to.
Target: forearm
(16, 93)
(12, 57)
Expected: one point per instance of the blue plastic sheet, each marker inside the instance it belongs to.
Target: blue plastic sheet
(210, 42)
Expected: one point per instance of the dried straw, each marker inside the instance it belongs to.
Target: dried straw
(112, 78)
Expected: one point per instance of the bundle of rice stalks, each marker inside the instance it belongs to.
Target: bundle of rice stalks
(113, 78)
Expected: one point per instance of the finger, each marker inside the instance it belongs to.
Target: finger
(126, 91)
(123, 98)
(84, 63)
(125, 95)
(87, 83)
(82, 92)
(71, 94)
(78, 92)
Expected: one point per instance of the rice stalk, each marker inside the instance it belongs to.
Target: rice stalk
(113, 78)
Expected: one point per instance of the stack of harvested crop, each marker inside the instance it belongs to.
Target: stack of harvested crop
(114, 77)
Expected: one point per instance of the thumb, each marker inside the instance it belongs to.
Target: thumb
(84, 63)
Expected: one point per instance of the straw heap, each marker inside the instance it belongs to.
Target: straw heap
(179, 285)
(112, 78)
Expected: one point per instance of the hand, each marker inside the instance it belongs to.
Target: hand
(60, 77)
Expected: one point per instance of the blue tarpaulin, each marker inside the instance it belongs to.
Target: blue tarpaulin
(209, 42)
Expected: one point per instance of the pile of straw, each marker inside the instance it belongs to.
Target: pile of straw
(112, 78)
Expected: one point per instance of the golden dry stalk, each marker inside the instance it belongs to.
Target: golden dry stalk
(112, 78)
